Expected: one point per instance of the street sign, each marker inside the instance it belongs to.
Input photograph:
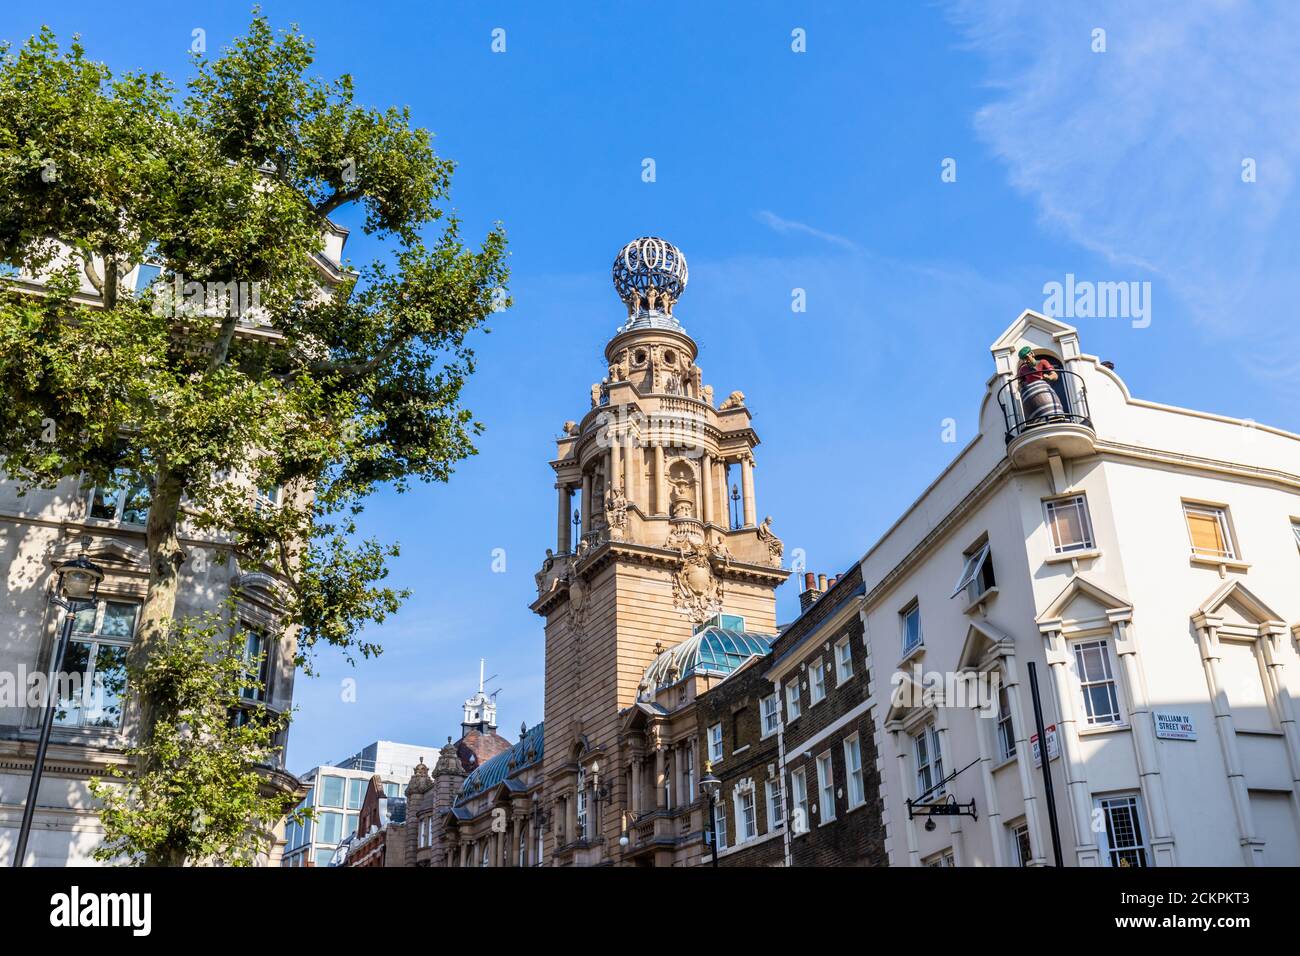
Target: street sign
(1053, 745)
(1174, 726)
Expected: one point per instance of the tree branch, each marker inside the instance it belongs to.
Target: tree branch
(357, 369)
(341, 198)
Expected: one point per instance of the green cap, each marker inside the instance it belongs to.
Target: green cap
(1026, 351)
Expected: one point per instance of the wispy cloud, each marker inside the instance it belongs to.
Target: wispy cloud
(1136, 153)
(778, 224)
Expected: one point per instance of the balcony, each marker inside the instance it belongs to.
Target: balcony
(1045, 418)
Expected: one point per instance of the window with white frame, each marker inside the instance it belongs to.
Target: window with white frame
(1006, 729)
(976, 573)
(825, 789)
(1210, 532)
(771, 710)
(538, 836)
(1096, 673)
(125, 499)
(942, 859)
(1123, 832)
(269, 498)
(1024, 853)
(688, 773)
(775, 805)
(720, 825)
(799, 802)
(817, 682)
(910, 618)
(257, 664)
(853, 771)
(715, 742)
(1295, 530)
(746, 815)
(1070, 524)
(929, 763)
(843, 661)
(95, 665)
(523, 846)
(581, 813)
(793, 705)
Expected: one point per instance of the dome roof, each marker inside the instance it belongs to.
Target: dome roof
(711, 650)
(492, 772)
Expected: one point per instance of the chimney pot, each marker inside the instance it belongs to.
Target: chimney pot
(821, 582)
(809, 581)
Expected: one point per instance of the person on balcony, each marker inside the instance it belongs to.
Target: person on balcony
(1038, 399)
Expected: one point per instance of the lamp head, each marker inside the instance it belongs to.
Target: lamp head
(709, 784)
(79, 579)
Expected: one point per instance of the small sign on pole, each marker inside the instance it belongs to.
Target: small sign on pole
(1053, 745)
(1174, 726)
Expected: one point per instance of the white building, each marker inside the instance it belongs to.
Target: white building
(1145, 559)
(44, 528)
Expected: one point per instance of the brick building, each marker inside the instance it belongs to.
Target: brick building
(380, 839)
(790, 738)
(740, 741)
(821, 681)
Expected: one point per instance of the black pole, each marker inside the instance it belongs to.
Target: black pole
(713, 827)
(1047, 765)
(38, 768)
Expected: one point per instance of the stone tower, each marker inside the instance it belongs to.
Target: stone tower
(657, 534)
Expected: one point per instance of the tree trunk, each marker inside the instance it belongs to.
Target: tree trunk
(165, 558)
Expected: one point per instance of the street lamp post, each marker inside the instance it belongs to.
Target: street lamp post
(76, 588)
(710, 786)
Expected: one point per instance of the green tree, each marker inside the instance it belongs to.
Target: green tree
(340, 381)
(203, 797)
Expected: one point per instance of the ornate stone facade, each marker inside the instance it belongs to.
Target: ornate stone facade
(655, 558)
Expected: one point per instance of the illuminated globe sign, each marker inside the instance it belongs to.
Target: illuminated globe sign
(650, 275)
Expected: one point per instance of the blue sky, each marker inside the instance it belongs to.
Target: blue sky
(775, 170)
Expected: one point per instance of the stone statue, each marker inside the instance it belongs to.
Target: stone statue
(774, 546)
(706, 393)
(547, 563)
(734, 400)
(595, 395)
(616, 513)
(571, 428)
(682, 504)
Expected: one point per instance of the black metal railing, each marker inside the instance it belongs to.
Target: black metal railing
(1045, 402)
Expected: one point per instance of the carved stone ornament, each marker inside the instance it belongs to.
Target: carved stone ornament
(616, 514)
(697, 592)
(577, 604)
(734, 400)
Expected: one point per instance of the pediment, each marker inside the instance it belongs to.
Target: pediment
(102, 550)
(981, 638)
(1083, 602)
(1237, 606)
(1035, 329)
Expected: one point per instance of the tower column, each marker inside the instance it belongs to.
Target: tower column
(629, 467)
(747, 489)
(636, 785)
(706, 486)
(563, 542)
(660, 795)
(615, 466)
(661, 496)
(586, 502)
